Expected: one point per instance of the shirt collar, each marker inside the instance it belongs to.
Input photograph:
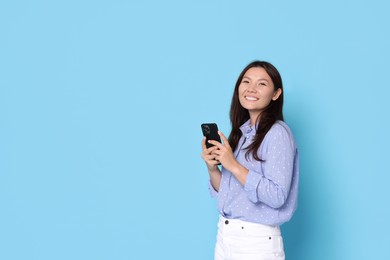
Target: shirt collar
(247, 129)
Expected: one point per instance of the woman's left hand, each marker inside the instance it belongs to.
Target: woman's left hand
(224, 153)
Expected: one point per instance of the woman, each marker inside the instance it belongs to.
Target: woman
(257, 185)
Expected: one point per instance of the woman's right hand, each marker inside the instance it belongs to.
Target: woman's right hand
(209, 157)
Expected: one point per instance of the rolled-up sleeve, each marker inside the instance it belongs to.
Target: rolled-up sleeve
(213, 192)
(270, 182)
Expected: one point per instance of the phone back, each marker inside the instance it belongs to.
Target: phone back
(210, 131)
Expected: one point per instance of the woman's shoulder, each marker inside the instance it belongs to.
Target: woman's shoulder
(280, 126)
(280, 129)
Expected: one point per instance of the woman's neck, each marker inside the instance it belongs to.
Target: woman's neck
(253, 118)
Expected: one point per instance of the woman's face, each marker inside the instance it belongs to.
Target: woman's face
(256, 91)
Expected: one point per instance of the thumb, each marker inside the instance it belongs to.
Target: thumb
(224, 139)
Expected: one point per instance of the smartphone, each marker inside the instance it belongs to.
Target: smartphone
(210, 131)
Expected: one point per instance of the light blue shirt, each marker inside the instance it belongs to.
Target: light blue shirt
(270, 193)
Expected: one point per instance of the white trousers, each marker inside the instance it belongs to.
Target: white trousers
(241, 240)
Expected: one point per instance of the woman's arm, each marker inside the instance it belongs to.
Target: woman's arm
(212, 165)
(215, 179)
(270, 182)
(224, 154)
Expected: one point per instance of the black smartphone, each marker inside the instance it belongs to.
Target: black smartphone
(210, 131)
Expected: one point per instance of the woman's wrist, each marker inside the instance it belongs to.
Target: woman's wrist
(214, 170)
(240, 172)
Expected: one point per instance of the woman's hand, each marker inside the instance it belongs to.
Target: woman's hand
(223, 153)
(208, 156)
(225, 156)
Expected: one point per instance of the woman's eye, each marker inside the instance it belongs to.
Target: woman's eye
(245, 81)
(263, 84)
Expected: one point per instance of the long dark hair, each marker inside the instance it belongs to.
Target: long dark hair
(239, 115)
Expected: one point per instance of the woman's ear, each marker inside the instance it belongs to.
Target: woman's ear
(277, 94)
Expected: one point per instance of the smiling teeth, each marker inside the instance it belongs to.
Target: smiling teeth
(251, 98)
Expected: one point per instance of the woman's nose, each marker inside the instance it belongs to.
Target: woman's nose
(251, 88)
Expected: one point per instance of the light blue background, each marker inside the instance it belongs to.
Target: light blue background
(100, 110)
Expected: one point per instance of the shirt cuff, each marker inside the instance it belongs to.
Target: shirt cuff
(213, 192)
(252, 182)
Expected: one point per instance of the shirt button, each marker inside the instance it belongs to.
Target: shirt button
(226, 222)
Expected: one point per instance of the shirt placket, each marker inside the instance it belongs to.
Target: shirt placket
(229, 180)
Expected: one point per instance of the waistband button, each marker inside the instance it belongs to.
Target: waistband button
(226, 222)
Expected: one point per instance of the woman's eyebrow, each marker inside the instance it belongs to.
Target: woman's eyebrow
(258, 79)
(261, 79)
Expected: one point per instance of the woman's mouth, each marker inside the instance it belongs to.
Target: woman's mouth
(251, 98)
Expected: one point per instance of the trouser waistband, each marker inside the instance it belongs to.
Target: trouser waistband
(237, 224)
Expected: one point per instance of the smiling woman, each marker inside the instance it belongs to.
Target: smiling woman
(256, 91)
(257, 185)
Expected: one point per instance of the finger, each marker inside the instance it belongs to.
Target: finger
(209, 159)
(224, 139)
(216, 152)
(216, 144)
(204, 147)
(211, 149)
(209, 153)
(213, 163)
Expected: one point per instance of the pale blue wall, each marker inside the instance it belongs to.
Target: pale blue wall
(100, 110)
